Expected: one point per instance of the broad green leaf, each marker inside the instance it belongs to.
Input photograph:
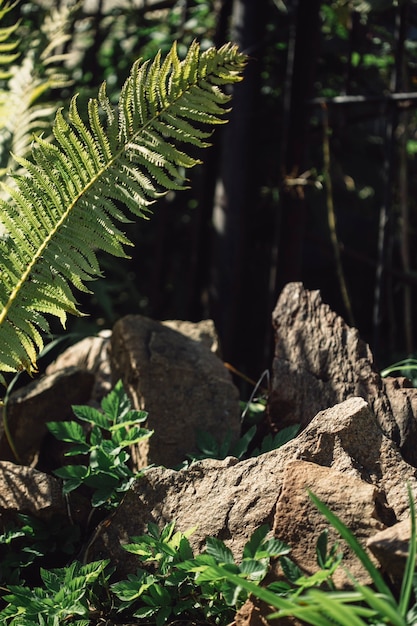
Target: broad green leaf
(91, 415)
(216, 548)
(68, 431)
(253, 568)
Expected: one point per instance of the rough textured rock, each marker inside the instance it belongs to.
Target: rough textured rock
(390, 547)
(299, 523)
(25, 490)
(321, 361)
(179, 381)
(230, 499)
(29, 409)
(31, 492)
(91, 354)
(203, 331)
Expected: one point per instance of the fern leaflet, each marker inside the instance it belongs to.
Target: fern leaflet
(63, 205)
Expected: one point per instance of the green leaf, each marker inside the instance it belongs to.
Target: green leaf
(273, 547)
(73, 475)
(207, 444)
(126, 438)
(91, 415)
(131, 589)
(216, 548)
(410, 565)
(241, 447)
(68, 431)
(162, 615)
(253, 568)
(384, 606)
(321, 548)
(116, 405)
(291, 570)
(255, 541)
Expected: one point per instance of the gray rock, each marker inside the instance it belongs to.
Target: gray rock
(203, 331)
(91, 354)
(25, 490)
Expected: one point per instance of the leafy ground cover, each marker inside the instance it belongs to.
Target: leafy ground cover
(171, 582)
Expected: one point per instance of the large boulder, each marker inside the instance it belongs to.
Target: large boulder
(179, 381)
(320, 361)
(230, 499)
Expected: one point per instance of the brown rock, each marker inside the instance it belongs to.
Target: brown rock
(254, 612)
(390, 546)
(45, 400)
(179, 381)
(91, 354)
(230, 499)
(347, 438)
(299, 523)
(320, 361)
(24, 490)
(203, 331)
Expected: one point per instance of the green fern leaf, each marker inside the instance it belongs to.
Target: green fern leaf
(23, 109)
(7, 46)
(62, 207)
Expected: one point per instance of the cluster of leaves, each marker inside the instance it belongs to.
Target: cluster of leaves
(252, 417)
(29, 541)
(176, 585)
(171, 583)
(110, 433)
(68, 595)
(209, 447)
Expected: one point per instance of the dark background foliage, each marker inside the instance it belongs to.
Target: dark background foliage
(312, 180)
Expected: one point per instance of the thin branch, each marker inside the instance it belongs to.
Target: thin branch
(331, 217)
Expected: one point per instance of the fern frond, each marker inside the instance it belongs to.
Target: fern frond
(8, 46)
(62, 208)
(22, 111)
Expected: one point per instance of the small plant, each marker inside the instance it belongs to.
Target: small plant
(211, 448)
(24, 544)
(171, 583)
(111, 432)
(68, 596)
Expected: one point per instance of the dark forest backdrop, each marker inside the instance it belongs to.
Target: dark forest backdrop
(313, 179)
